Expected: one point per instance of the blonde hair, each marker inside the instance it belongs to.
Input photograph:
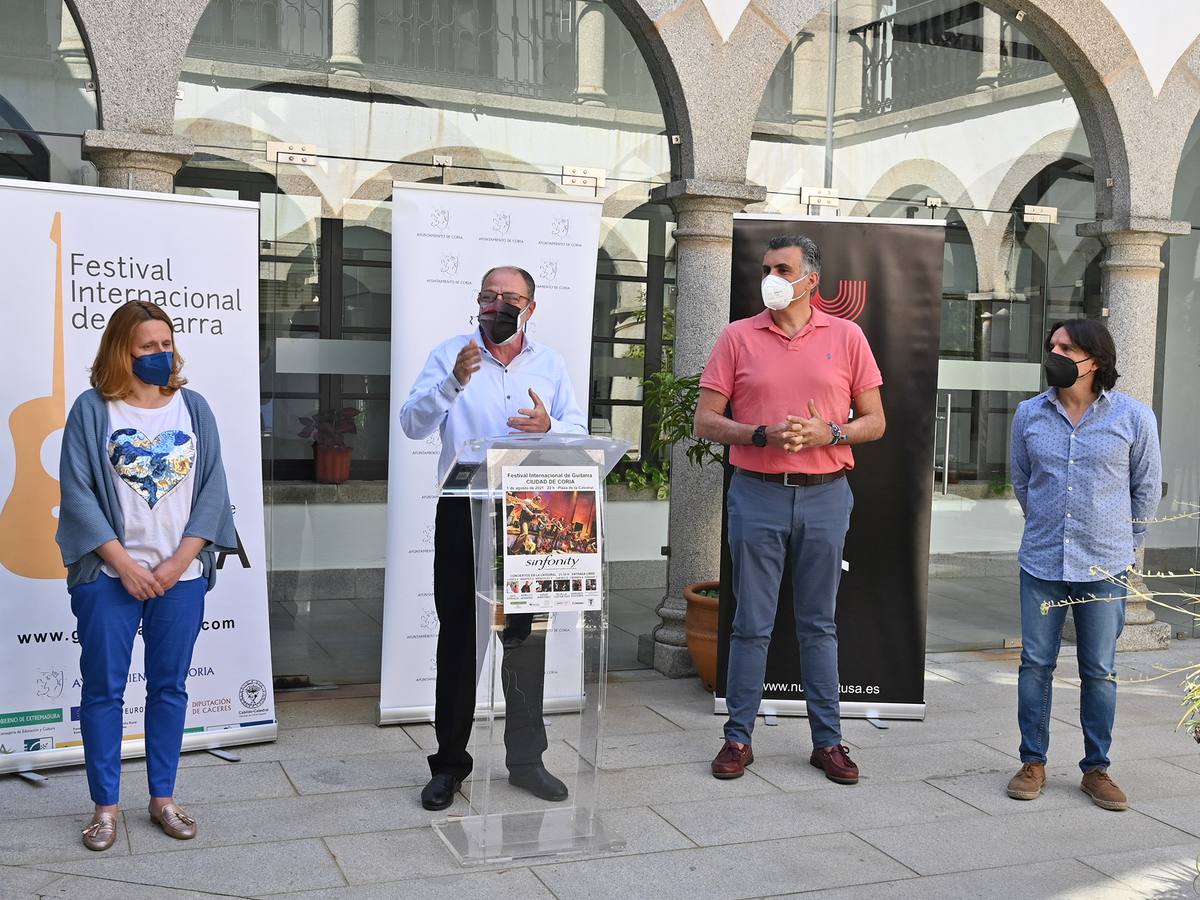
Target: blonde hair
(112, 372)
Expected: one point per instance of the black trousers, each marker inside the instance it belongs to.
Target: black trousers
(523, 666)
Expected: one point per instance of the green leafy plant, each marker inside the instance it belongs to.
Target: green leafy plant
(645, 475)
(675, 399)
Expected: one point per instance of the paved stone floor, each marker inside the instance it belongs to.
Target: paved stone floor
(331, 808)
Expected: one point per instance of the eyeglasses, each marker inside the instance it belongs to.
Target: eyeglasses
(488, 297)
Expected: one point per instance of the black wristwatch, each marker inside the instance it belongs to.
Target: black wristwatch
(759, 439)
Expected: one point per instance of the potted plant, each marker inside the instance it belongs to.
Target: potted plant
(331, 455)
(675, 400)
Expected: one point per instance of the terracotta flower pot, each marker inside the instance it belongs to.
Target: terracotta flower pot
(700, 625)
(332, 464)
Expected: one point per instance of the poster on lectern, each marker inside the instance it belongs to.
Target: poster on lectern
(551, 541)
(444, 239)
(70, 256)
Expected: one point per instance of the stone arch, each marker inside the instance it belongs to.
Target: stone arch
(1048, 150)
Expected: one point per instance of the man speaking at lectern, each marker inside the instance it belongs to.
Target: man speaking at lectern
(488, 383)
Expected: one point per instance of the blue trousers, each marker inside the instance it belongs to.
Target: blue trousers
(1098, 624)
(108, 620)
(768, 524)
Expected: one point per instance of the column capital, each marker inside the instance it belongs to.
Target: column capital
(704, 209)
(1132, 229)
(146, 162)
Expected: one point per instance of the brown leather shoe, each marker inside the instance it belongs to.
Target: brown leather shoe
(101, 831)
(1028, 782)
(175, 822)
(1103, 790)
(731, 762)
(837, 764)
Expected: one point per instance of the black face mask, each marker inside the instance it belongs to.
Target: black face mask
(502, 325)
(1061, 371)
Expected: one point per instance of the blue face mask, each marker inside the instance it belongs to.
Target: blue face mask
(155, 368)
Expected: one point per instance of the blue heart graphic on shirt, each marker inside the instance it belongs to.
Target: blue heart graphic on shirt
(153, 468)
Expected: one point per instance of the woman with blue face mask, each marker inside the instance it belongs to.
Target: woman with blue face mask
(144, 508)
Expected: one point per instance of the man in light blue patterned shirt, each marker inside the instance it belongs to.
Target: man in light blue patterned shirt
(1086, 470)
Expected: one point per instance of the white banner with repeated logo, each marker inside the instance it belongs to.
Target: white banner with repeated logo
(443, 240)
(69, 257)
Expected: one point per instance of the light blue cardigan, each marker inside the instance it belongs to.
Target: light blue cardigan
(90, 513)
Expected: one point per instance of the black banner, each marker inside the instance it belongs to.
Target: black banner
(885, 275)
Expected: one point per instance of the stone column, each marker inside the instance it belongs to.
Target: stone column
(810, 70)
(71, 49)
(589, 55)
(703, 246)
(851, 52)
(140, 162)
(345, 37)
(1130, 284)
(989, 61)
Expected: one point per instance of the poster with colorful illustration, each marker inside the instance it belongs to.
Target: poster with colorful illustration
(551, 540)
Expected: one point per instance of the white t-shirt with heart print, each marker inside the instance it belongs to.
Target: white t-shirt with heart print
(153, 455)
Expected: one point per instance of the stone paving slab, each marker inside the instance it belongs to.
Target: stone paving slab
(281, 867)
(16, 881)
(513, 884)
(759, 818)
(52, 839)
(668, 783)
(78, 887)
(960, 845)
(317, 713)
(883, 764)
(360, 772)
(263, 821)
(1181, 812)
(1161, 873)
(329, 740)
(68, 794)
(1061, 879)
(1145, 781)
(761, 869)
(1130, 744)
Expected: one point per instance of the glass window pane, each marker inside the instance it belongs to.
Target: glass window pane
(366, 296)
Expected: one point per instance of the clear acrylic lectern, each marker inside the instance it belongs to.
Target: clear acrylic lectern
(537, 507)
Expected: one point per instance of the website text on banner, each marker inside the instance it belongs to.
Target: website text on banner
(443, 241)
(70, 257)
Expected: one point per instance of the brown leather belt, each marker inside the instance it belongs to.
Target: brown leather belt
(795, 479)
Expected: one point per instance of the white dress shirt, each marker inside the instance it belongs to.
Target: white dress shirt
(482, 408)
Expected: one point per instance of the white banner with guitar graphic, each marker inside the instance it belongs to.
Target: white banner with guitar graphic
(443, 240)
(69, 256)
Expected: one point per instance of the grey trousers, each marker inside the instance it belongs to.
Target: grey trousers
(768, 524)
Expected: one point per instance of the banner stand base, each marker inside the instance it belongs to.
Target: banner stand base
(853, 709)
(27, 763)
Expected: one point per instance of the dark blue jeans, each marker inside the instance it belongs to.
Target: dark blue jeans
(108, 621)
(1098, 624)
(768, 524)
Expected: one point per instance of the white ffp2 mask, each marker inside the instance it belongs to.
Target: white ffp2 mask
(777, 291)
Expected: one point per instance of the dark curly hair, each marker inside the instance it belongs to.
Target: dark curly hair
(1093, 338)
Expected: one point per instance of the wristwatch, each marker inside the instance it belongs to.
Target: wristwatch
(839, 436)
(759, 438)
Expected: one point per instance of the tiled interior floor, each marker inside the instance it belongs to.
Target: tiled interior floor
(319, 642)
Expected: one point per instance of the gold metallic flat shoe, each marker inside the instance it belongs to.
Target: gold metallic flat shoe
(100, 832)
(175, 822)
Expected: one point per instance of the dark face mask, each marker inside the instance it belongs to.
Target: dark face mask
(502, 324)
(155, 368)
(1061, 371)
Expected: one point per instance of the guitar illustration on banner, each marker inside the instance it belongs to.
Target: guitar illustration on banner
(28, 520)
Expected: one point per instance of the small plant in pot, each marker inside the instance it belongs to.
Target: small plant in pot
(675, 400)
(331, 455)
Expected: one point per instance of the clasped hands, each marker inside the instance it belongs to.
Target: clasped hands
(797, 433)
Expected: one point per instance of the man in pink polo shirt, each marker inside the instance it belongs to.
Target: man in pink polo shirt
(788, 377)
